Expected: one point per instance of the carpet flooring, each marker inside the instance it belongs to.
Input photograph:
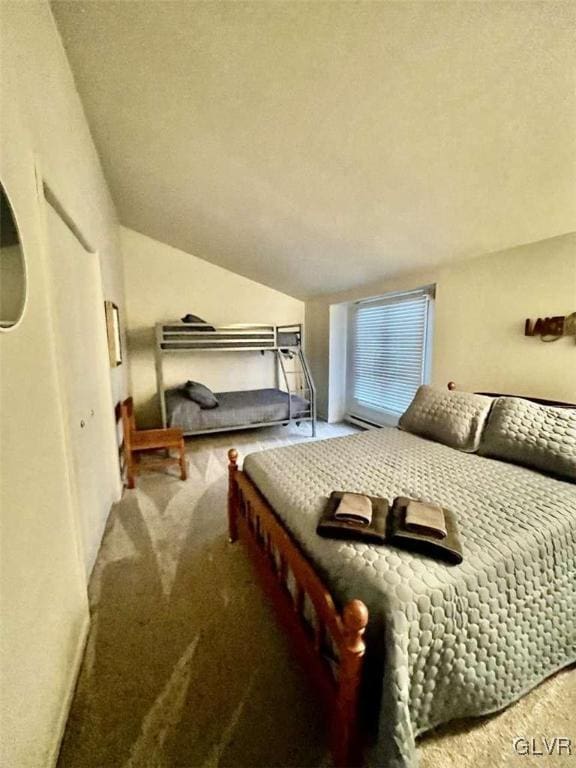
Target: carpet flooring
(185, 667)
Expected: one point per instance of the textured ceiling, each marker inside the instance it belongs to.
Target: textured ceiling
(315, 146)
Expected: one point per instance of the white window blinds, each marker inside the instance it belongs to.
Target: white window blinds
(388, 354)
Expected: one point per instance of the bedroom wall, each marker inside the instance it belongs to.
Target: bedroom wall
(43, 585)
(164, 283)
(62, 141)
(480, 308)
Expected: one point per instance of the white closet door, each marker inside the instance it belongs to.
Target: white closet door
(85, 378)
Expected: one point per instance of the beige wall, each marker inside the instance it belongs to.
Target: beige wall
(480, 309)
(43, 586)
(60, 138)
(163, 283)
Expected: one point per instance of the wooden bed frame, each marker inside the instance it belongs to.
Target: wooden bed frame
(329, 643)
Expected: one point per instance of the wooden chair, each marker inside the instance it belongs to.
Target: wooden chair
(139, 441)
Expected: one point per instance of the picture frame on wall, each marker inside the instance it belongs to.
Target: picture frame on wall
(113, 333)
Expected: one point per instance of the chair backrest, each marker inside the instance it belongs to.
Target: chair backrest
(120, 437)
(128, 421)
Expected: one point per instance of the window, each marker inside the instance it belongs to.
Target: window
(389, 344)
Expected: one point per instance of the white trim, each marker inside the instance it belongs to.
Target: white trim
(373, 415)
(429, 290)
(429, 340)
(361, 422)
(337, 361)
(71, 688)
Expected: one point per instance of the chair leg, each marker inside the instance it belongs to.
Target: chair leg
(183, 471)
(130, 473)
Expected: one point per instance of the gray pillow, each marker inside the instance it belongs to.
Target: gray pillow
(538, 436)
(452, 418)
(201, 325)
(200, 394)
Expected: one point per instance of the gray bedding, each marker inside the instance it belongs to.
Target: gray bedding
(443, 641)
(234, 409)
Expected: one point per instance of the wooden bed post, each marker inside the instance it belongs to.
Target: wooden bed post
(233, 498)
(346, 741)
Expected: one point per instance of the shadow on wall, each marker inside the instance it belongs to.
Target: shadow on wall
(141, 350)
(140, 340)
(149, 415)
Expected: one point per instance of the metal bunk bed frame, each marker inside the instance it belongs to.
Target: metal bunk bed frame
(178, 338)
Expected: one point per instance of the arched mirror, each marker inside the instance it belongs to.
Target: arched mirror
(12, 266)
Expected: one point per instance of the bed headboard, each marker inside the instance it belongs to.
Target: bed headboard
(539, 400)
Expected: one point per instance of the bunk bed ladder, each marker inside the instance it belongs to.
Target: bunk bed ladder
(280, 357)
(307, 391)
(310, 386)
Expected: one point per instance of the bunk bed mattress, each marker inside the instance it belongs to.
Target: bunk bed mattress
(443, 641)
(235, 409)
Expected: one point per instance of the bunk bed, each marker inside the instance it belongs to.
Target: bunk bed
(291, 400)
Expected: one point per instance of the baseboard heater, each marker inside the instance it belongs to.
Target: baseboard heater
(361, 422)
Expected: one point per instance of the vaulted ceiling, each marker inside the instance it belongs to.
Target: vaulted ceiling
(314, 146)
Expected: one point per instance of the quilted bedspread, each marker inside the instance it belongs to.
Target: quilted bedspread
(443, 641)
